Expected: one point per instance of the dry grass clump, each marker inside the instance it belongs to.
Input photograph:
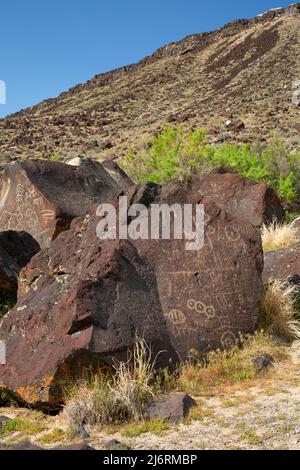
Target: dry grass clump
(278, 236)
(223, 369)
(279, 310)
(112, 400)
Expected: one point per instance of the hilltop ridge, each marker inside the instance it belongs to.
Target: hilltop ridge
(242, 72)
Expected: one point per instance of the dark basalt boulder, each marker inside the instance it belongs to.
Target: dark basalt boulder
(83, 301)
(41, 197)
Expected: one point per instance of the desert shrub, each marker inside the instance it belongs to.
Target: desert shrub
(230, 367)
(110, 400)
(278, 236)
(177, 154)
(280, 313)
(173, 154)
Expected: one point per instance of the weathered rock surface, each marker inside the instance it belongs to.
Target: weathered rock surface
(16, 250)
(82, 301)
(42, 197)
(241, 197)
(283, 264)
(172, 408)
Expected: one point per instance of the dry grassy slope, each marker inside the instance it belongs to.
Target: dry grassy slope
(246, 68)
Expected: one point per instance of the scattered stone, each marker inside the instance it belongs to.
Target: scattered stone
(235, 126)
(114, 444)
(262, 362)
(172, 408)
(228, 115)
(106, 144)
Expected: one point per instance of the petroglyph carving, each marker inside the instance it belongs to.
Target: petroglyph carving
(228, 339)
(200, 307)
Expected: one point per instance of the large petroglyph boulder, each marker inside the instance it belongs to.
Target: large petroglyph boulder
(241, 197)
(16, 250)
(210, 295)
(41, 197)
(82, 301)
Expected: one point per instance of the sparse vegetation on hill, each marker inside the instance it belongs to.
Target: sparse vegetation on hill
(240, 73)
(177, 153)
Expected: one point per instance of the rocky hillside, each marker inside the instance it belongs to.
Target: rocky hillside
(239, 82)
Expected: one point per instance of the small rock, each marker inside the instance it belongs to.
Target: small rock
(262, 362)
(114, 444)
(172, 408)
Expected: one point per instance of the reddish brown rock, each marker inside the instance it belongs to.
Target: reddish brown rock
(243, 198)
(211, 295)
(81, 304)
(16, 250)
(82, 301)
(283, 264)
(42, 197)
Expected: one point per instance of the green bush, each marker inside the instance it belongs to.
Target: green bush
(7, 302)
(176, 154)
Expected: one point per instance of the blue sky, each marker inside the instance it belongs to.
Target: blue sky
(48, 46)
